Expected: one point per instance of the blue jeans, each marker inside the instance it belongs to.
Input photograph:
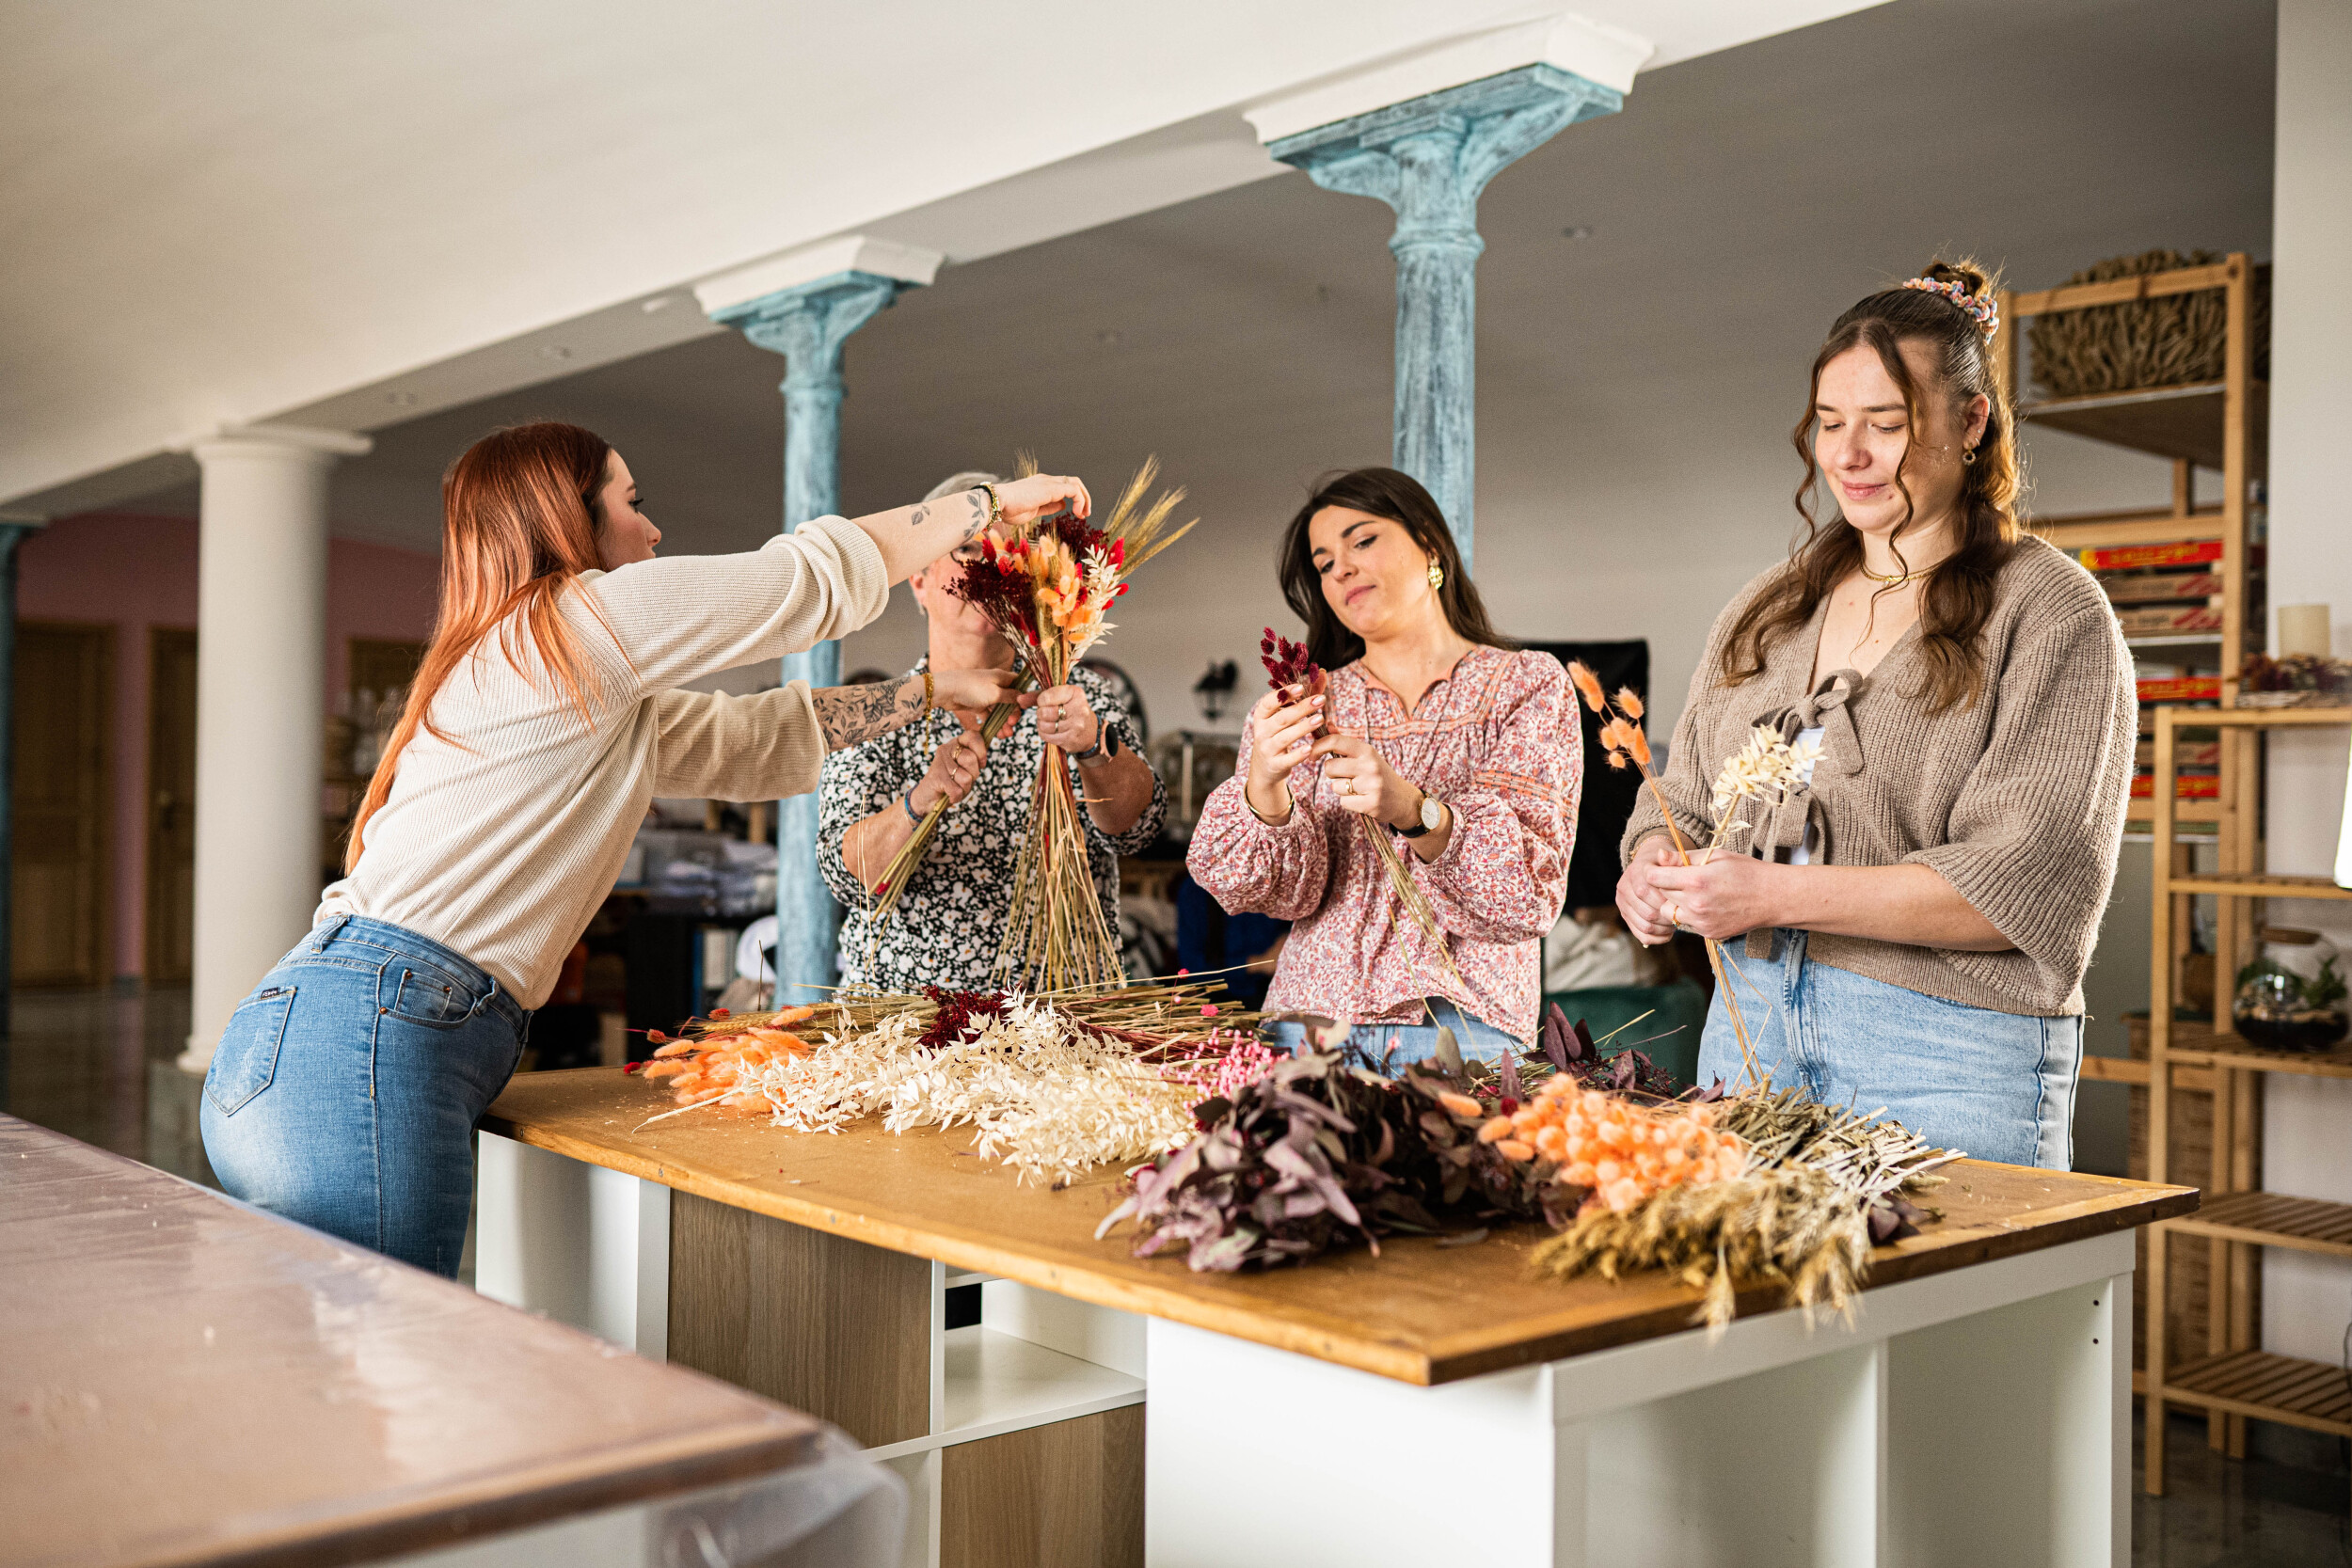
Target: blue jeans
(1413, 1042)
(345, 1089)
(1998, 1085)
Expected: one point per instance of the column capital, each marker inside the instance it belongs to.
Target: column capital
(1487, 124)
(322, 446)
(808, 322)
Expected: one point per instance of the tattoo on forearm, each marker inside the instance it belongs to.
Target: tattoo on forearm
(853, 715)
(978, 519)
(922, 515)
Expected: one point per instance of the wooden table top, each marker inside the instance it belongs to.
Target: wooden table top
(1418, 1312)
(184, 1380)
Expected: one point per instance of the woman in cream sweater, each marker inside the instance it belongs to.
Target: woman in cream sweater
(1918, 916)
(542, 722)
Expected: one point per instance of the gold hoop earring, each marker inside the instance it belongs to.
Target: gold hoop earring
(1437, 575)
(1967, 455)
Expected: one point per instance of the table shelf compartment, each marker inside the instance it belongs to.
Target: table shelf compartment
(996, 1384)
(2308, 1394)
(2274, 1219)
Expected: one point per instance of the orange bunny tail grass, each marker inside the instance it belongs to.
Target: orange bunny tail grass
(1587, 685)
(1628, 702)
(1821, 1187)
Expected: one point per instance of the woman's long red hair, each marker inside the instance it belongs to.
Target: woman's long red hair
(519, 524)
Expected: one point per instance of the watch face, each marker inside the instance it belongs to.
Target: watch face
(1431, 813)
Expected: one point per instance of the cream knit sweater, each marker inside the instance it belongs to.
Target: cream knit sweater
(2018, 800)
(500, 842)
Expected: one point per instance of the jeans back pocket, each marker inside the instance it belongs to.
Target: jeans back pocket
(247, 1058)
(423, 994)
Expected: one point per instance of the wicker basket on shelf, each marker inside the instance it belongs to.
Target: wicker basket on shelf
(2172, 340)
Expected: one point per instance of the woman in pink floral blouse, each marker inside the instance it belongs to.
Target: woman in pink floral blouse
(1464, 747)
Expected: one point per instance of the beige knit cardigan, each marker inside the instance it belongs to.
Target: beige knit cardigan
(2017, 799)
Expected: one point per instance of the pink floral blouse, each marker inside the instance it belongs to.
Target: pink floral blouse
(1498, 742)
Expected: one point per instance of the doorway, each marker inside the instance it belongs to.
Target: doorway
(170, 805)
(64, 689)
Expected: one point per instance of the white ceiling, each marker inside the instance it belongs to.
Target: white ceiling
(1636, 386)
(244, 211)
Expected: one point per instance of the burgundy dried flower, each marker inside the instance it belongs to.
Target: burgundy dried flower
(1286, 662)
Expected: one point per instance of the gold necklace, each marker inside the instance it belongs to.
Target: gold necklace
(1895, 580)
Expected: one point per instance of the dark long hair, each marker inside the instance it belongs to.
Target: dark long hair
(1957, 598)
(1399, 497)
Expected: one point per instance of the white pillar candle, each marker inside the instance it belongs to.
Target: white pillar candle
(260, 706)
(2303, 629)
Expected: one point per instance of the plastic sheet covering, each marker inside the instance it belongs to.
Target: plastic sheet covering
(184, 1380)
(843, 1511)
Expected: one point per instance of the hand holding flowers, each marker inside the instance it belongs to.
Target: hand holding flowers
(1365, 783)
(1280, 736)
(1065, 719)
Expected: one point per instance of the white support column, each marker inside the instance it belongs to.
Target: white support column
(260, 707)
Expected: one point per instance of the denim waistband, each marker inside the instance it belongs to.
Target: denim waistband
(399, 938)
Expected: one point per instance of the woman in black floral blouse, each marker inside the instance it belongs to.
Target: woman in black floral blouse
(951, 918)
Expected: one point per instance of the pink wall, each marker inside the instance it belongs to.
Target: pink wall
(134, 572)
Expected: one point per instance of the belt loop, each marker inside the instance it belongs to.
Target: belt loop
(324, 934)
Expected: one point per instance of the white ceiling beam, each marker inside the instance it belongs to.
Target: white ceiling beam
(1598, 53)
(908, 263)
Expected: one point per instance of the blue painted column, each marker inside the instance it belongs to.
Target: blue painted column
(1429, 158)
(11, 535)
(807, 325)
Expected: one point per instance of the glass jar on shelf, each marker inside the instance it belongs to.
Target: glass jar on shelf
(2292, 998)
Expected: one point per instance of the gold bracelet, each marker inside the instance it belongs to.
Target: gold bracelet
(1261, 816)
(995, 506)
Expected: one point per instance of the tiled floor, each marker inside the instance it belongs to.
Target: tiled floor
(99, 1066)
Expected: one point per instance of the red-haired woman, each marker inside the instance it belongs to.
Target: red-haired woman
(543, 721)
(1920, 914)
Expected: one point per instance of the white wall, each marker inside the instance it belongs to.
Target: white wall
(2307, 1301)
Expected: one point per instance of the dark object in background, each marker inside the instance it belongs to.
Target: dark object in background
(1122, 686)
(566, 1035)
(1208, 939)
(1608, 792)
(1213, 690)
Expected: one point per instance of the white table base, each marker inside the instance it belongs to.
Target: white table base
(1971, 1418)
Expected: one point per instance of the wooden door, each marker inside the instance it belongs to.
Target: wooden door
(64, 691)
(170, 805)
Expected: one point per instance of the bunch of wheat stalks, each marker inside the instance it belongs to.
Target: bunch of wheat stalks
(1822, 1184)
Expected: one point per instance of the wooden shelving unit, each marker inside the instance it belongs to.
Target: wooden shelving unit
(2213, 427)
(2233, 1379)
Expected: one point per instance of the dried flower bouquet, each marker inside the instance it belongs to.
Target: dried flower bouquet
(1047, 591)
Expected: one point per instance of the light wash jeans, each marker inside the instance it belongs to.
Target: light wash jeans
(1412, 1042)
(347, 1089)
(1998, 1085)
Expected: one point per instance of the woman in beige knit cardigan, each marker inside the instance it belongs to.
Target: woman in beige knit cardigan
(1918, 916)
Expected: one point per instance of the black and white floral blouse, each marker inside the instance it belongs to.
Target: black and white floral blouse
(949, 919)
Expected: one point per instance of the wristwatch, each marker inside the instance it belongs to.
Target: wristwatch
(1432, 816)
(1106, 744)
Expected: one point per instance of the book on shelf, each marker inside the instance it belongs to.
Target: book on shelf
(2169, 620)
(2187, 756)
(2141, 557)
(2186, 786)
(2135, 588)
(2180, 688)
